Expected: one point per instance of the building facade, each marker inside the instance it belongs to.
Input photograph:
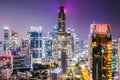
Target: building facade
(35, 37)
(101, 51)
(119, 58)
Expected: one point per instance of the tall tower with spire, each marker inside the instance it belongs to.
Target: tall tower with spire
(61, 21)
(64, 42)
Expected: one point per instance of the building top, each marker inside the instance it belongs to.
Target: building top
(14, 32)
(100, 28)
(56, 70)
(6, 27)
(36, 29)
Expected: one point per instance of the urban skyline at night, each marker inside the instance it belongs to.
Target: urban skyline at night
(20, 15)
(59, 40)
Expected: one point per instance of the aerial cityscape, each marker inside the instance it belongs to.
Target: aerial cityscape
(47, 45)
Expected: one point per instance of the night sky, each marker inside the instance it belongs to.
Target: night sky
(21, 14)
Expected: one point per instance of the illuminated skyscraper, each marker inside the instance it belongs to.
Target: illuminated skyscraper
(35, 36)
(6, 39)
(64, 40)
(119, 57)
(55, 42)
(13, 42)
(114, 57)
(25, 46)
(47, 44)
(61, 21)
(75, 39)
(101, 45)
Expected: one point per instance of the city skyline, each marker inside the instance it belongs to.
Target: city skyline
(20, 15)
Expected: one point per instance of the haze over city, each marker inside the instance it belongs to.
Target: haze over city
(21, 14)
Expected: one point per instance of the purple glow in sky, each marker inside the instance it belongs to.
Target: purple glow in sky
(21, 14)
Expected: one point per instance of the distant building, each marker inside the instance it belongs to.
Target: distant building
(35, 37)
(47, 45)
(6, 39)
(119, 58)
(25, 46)
(6, 67)
(1, 48)
(22, 62)
(115, 57)
(64, 61)
(56, 73)
(75, 40)
(14, 43)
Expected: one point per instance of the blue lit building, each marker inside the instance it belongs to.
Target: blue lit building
(55, 41)
(6, 38)
(55, 31)
(35, 36)
(48, 45)
(114, 59)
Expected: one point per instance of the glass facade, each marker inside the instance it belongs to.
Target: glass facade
(36, 44)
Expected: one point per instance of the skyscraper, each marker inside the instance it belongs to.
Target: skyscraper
(119, 57)
(61, 21)
(101, 44)
(25, 46)
(114, 57)
(35, 37)
(64, 40)
(13, 42)
(6, 39)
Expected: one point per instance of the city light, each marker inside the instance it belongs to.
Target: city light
(59, 54)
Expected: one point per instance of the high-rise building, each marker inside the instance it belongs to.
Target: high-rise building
(56, 73)
(1, 48)
(25, 46)
(101, 51)
(64, 39)
(114, 57)
(55, 42)
(61, 21)
(64, 61)
(6, 39)
(75, 39)
(22, 62)
(14, 43)
(47, 46)
(36, 44)
(119, 57)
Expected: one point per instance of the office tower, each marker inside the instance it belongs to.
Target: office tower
(36, 44)
(101, 48)
(119, 57)
(61, 21)
(1, 48)
(13, 42)
(77, 44)
(114, 57)
(75, 39)
(25, 46)
(22, 62)
(64, 61)
(47, 46)
(55, 42)
(6, 39)
(55, 31)
(64, 39)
